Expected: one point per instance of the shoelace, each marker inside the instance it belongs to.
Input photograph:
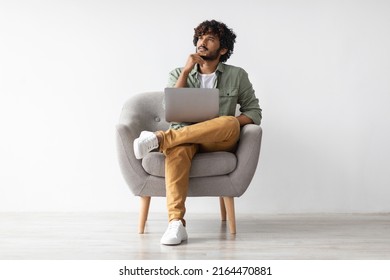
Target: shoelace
(150, 143)
(173, 226)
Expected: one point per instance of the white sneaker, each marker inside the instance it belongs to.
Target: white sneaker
(175, 234)
(145, 143)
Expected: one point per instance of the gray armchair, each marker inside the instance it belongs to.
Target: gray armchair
(221, 174)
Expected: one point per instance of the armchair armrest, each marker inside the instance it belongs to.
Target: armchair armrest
(134, 174)
(248, 152)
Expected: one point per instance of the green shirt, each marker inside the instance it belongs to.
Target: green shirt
(234, 88)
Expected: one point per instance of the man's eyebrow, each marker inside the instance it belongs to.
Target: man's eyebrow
(209, 35)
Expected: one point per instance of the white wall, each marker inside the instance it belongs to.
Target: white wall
(320, 69)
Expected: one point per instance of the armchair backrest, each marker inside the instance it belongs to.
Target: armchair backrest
(144, 111)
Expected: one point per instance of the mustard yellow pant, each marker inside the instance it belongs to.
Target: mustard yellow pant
(180, 146)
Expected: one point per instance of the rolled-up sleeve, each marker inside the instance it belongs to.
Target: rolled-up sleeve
(172, 77)
(249, 103)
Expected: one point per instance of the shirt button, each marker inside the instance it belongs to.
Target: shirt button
(157, 119)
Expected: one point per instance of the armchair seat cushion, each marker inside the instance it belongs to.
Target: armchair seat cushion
(203, 164)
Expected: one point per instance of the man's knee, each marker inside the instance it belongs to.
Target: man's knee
(231, 123)
(231, 120)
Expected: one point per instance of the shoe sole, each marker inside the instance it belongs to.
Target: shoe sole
(173, 244)
(136, 149)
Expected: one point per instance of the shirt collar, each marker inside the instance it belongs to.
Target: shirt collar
(220, 68)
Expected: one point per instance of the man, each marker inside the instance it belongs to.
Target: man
(214, 43)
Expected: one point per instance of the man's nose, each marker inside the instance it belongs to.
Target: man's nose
(202, 42)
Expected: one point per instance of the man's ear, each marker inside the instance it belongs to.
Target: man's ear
(223, 51)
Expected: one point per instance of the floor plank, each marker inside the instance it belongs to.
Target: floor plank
(113, 236)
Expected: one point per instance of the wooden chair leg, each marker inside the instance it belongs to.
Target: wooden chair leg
(229, 203)
(223, 209)
(143, 214)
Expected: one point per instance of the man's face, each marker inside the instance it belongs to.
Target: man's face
(208, 47)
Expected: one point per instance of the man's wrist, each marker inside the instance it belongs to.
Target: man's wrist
(185, 72)
(244, 120)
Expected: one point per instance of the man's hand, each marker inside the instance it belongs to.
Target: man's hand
(244, 120)
(193, 59)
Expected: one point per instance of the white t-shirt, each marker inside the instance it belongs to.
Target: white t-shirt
(207, 80)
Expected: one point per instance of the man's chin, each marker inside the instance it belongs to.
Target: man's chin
(208, 57)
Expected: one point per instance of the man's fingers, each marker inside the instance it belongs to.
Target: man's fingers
(198, 58)
(193, 59)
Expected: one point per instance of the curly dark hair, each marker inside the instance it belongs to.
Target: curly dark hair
(226, 36)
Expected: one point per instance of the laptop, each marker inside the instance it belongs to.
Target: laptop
(191, 104)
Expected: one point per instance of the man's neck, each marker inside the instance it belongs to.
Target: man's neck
(209, 67)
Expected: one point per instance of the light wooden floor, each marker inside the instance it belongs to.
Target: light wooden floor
(113, 236)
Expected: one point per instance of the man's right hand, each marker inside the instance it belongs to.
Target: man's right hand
(193, 59)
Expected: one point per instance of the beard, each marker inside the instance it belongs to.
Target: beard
(211, 56)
